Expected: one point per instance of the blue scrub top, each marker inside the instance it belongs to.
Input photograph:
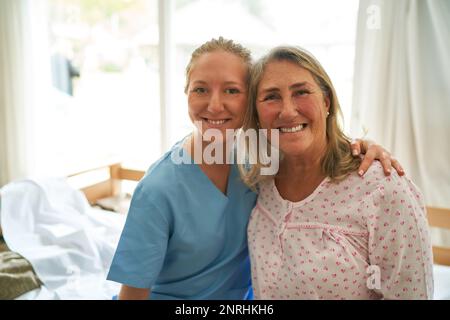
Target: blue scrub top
(183, 237)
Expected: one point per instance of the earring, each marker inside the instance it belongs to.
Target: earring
(328, 113)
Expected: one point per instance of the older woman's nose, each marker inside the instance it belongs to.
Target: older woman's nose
(289, 110)
(215, 103)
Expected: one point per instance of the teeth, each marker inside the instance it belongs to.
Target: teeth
(294, 129)
(216, 122)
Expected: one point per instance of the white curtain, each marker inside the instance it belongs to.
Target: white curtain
(24, 83)
(402, 87)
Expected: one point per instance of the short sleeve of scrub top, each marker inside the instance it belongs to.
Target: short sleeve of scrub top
(143, 243)
(183, 238)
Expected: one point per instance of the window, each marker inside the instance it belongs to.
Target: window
(105, 66)
(104, 58)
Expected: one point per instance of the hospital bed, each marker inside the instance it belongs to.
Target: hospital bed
(74, 220)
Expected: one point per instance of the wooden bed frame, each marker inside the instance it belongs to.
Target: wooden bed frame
(112, 185)
(440, 218)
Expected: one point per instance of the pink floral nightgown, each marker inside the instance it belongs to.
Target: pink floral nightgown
(361, 238)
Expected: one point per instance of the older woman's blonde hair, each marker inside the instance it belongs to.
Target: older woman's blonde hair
(338, 160)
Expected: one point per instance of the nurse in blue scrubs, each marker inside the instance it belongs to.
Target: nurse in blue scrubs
(185, 235)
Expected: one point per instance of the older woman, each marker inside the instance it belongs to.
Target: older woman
(319, 230)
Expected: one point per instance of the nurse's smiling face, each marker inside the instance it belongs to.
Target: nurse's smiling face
(217, 91)
(289, 99)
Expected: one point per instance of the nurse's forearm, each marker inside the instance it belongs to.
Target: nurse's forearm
(131, 293)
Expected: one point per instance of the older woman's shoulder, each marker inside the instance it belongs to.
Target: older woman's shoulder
(393, 185)
(376, 174)
(373, 176)
(374, 179)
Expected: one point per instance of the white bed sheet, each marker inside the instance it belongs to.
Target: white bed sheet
(69, 244)
(441, 282)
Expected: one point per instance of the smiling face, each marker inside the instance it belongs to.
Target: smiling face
(289, 99)
(217, 91)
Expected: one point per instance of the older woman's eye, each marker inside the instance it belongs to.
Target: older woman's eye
(270, 97)
(302, 92)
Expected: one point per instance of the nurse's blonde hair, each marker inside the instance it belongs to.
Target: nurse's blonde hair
(216, 45)
(338, 161)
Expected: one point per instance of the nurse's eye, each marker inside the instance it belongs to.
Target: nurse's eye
(199, 90)
(232, 91)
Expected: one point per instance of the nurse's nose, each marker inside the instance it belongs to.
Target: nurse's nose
(216, 104)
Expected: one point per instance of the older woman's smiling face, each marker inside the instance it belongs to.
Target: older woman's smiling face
(289, 99)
